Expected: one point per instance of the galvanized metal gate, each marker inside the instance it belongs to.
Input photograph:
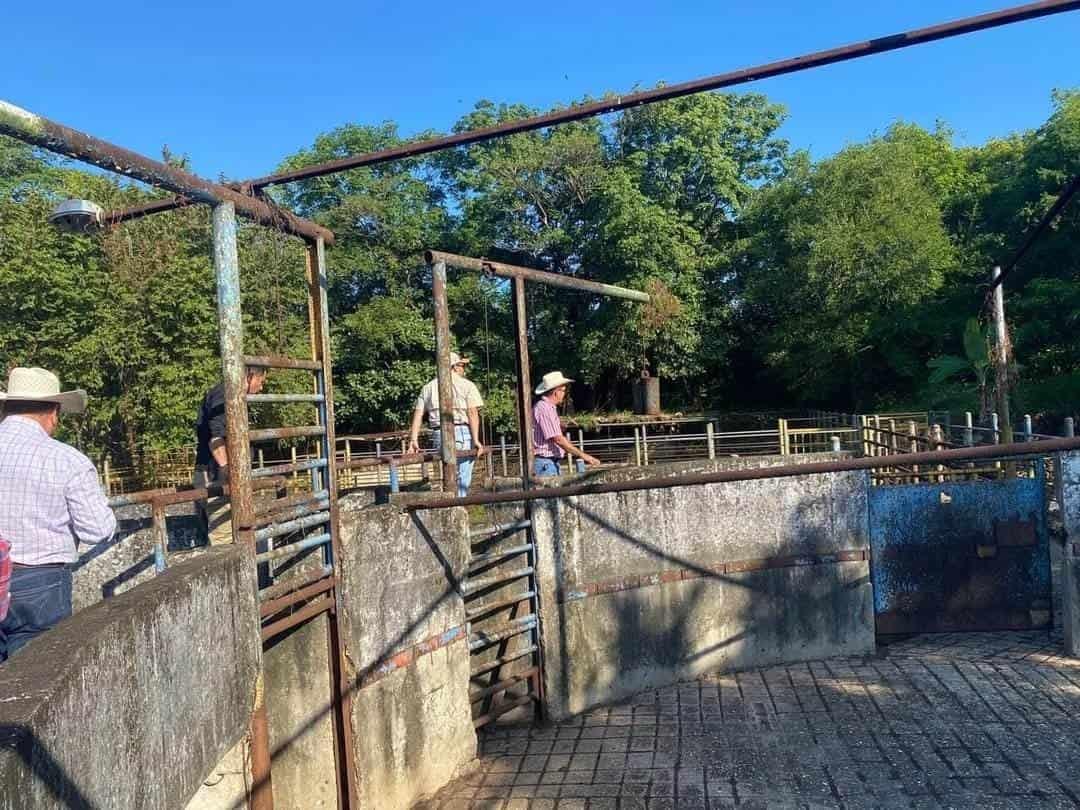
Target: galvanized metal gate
(963, 555)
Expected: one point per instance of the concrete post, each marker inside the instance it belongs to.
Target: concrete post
(637, 448)
(1028, 432)
(969, 433)
(1070, 430)
(996, 427)
(710, 437)
(1069, 497)
(502, 450)
(835, 443)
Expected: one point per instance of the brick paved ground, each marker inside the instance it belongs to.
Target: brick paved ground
(975, 720)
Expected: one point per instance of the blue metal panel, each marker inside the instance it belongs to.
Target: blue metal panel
(969, 555)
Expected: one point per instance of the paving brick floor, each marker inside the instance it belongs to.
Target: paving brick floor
(987, 720)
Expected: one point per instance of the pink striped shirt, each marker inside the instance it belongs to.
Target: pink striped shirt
(50, 497)
(546, 428)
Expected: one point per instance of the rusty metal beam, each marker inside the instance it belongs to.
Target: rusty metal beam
(1018, 449)
(524, 375)
(37, 131)
(795, 64)
(513, 271)
(444, 376)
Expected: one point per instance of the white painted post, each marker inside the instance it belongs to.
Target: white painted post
(1070, 430)
(502, 451)
(969, 432)
(1028, 432)
(644, 445)
(637, 448)
(710, 437)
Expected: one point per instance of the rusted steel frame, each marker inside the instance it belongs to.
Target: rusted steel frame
(502, 685)
(270, 361)
(161, 535)
(290, 585)
(282, 469)
(269, 434)
(261, 792)
(116, 216)
(540, 276)
(484, 610)
(33, 129)
(487, 666)
(302, 615)
(500, 710)
(615, 103)
(291, 549)
(340, 687)
(141, 497)
(1018, 449)
(524, 375)
(472, 586)
(272, 606)
(1063, 199)
(289, 508)
(448, 443)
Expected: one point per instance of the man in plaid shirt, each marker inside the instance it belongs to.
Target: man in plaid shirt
(50, 501)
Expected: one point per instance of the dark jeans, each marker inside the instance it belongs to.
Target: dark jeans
(40, 597)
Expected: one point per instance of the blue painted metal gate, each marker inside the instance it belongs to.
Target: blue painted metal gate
(966, 555)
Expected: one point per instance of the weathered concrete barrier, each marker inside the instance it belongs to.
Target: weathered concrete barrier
(129, 703)
(1069, 499)
(641, 589)
(403, 627)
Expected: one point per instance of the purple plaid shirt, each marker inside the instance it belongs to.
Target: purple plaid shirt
(546, 428)
(50, 498)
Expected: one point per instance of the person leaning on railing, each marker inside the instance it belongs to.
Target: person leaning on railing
(549, 443)
(212, 457)
(50, 501)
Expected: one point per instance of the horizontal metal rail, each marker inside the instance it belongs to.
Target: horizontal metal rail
(294, 525)
(282, 469)
(273, 434)
(273, 361)
(783, 471)
(512, 628)
(481, 561)
(292, 507)
(293, 548)
(539, 276)
(485, 610)
(471, 586)
(307, 612)
(256, 399)
(502, 709)
(503, 685)
(272, 606)
(294, 583)
(495, 663)
(481, 535)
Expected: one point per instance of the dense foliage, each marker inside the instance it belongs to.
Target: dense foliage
(854, 282)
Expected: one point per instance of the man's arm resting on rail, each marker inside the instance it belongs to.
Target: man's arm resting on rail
(565, 444)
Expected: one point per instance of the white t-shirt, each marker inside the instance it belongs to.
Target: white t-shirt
(466, 395)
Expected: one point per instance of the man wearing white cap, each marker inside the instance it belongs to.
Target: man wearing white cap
(549, 443)
(50, 501)
(467, 405)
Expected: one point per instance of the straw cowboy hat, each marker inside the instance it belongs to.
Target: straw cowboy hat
(457, 360)
(39, 385)
(551, 381)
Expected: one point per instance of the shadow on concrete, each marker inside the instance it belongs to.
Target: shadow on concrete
(41, 763)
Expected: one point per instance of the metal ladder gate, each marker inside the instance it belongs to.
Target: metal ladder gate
(296, 538)
(501, 610)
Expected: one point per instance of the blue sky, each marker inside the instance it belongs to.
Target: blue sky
(239, 85)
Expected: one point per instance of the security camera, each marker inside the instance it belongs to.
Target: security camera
(76, 216)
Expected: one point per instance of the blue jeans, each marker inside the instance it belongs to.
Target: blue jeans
(543, 467)
(462, 441)
(40, 597)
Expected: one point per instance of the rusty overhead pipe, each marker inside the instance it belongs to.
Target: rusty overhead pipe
(843, 53)
(38, 131)
(995, 451)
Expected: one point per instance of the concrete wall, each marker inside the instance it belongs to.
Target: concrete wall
(640, 589)
(403, 626)
(131, 702)
(1069, 499)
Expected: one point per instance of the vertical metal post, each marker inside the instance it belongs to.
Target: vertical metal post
(521, 338)
(913, 433)
(395, 483)
(448, 448)
(969, 430)
(234, 376)
(637, 448)
(1029, 434)
(161, 536)
(878, 449)
(710, 438)
(1070, 429)
(893, 440)
(995, 425)
(341, 689)
(835, 443)
(502, 451)
(644, 445)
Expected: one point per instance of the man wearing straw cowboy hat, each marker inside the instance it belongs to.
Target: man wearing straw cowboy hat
(50, 501)
(467, 405)
(549, 443)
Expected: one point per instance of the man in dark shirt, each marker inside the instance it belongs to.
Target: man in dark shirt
(212, 456)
